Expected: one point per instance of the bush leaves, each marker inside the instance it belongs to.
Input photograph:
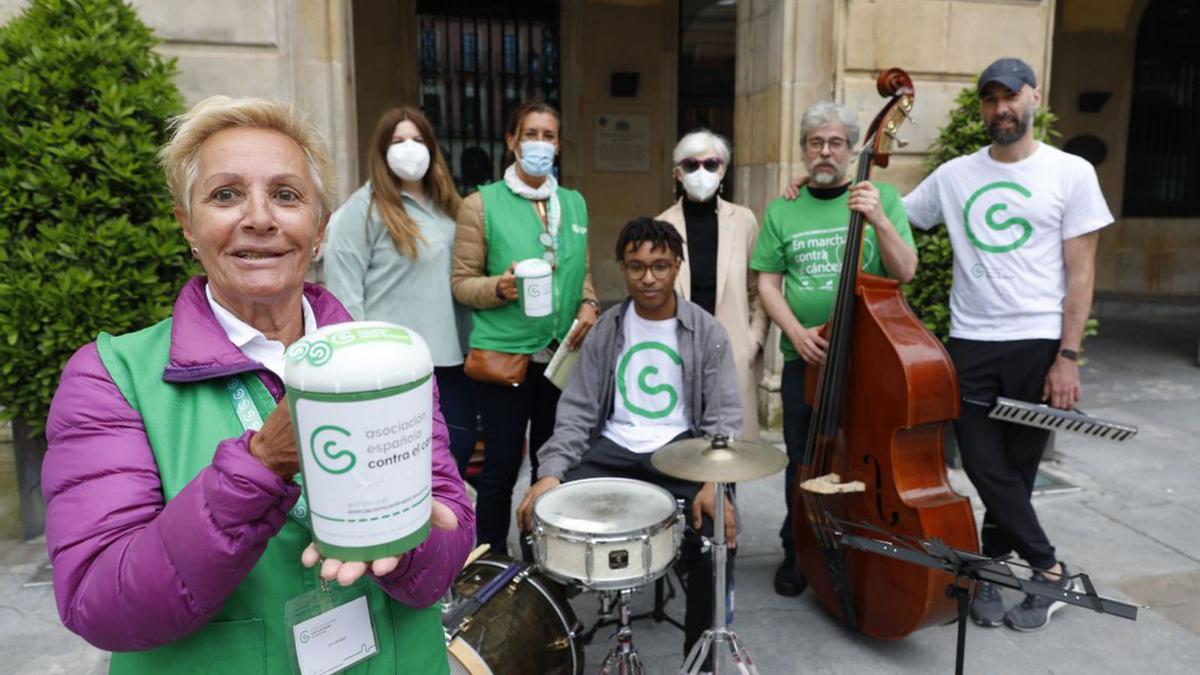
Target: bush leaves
(87, 240)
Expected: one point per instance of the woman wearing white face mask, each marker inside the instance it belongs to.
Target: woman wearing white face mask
(526, 215)
(716, 275)
(389, 257)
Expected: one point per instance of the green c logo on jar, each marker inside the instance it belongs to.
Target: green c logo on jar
(329, 457)
(643, 385)
(989, 219)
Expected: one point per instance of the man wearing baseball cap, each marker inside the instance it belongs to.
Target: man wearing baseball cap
(1023, 219)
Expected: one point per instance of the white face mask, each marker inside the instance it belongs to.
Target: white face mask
(701, 184)
(409, 160)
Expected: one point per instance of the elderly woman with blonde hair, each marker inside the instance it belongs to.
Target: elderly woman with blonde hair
(171, 519)
(719, 238)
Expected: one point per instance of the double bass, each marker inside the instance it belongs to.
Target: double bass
(874, 450)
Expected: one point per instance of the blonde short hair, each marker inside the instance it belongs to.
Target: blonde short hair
(179, 158)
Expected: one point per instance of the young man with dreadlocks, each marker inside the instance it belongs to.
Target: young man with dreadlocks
(655, 369)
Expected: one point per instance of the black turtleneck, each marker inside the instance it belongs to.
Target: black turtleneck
(824, 193)
(700, 220)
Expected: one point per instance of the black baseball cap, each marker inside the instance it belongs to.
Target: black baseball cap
(1010, 72)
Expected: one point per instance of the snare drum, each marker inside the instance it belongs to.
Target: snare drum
(606, 533)
(526, 627)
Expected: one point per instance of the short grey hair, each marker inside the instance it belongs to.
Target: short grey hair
(701, 141)
(826, 112)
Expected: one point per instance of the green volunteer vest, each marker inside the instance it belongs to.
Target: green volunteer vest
(184, 423)
(512, 227)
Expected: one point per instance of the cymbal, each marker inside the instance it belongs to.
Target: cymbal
(719, 460)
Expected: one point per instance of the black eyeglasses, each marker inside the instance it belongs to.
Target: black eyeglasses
(659, 268)
(711, 165)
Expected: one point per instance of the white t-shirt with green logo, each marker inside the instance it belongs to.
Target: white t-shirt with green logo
(648, 407)
(1007, 223)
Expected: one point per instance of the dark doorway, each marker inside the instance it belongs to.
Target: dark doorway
(479, 61)
(1162, 174)
(707, 67)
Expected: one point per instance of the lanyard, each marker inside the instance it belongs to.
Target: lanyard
(252, 420)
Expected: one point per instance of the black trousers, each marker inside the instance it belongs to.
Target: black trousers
(797, 415)
(1001, 458)
(506, 412)
(607, 459)
(457, 393)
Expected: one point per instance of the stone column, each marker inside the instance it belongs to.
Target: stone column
(786, 62)
(317, 63)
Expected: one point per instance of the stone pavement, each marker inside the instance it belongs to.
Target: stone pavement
(1130, 526)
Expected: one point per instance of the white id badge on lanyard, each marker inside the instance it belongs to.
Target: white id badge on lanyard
(330, 629)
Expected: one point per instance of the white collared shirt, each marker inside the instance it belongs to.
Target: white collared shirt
(251, 341)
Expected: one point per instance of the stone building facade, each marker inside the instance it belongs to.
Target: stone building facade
(346, 61)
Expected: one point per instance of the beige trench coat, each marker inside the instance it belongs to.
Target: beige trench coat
(738, 308)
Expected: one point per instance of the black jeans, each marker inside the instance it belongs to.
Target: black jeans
(507, 412)
(797, 414)
(607, 459)
(1001, 458)
(457, 393)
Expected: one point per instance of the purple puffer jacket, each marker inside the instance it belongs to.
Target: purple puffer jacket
(132, 572)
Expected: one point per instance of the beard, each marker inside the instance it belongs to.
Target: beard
(825, 175)
(1013, 134)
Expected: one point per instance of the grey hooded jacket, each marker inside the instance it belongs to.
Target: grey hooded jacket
(709, 381)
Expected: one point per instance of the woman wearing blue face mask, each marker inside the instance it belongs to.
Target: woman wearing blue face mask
(527, 217)
(389, 252)
(720, 238)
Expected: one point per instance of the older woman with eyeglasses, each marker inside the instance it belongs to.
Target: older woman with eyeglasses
(720, 237)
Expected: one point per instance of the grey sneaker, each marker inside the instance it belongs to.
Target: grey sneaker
(1035, 611)
(987, 609)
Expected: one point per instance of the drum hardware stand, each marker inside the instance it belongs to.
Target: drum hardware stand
(720, 632)
(970, 567)
(664, 591)
(622, 656)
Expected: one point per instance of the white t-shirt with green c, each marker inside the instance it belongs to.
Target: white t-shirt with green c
(649, 408)
(1007, 223)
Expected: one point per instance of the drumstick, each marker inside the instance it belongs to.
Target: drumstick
(477, 553)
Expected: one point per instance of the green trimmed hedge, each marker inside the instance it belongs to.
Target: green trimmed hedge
(87, 240)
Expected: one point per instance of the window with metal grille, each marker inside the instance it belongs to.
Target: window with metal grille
(479, 61)
(1162, 169)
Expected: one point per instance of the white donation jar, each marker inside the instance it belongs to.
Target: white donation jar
(536, 287)
(361, 398)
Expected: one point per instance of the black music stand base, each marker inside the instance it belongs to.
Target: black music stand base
(961, 594)
(967, 567)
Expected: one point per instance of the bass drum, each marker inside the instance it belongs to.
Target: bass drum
(528, 629)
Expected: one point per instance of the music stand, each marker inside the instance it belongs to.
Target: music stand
(967, 567)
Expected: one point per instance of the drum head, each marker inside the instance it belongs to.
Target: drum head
(602, 506)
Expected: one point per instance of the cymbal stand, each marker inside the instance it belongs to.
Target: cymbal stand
(622, 656)
(720, 633)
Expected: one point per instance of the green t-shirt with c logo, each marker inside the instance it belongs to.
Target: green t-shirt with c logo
(805, 239)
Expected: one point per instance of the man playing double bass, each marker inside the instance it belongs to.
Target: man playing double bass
(799, 258)
(1023, 219)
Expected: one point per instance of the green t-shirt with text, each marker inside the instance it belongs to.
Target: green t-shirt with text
(804, 239)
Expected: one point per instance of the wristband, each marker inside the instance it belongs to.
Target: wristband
(1069, 354)
(595, 304)
(499, 293)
